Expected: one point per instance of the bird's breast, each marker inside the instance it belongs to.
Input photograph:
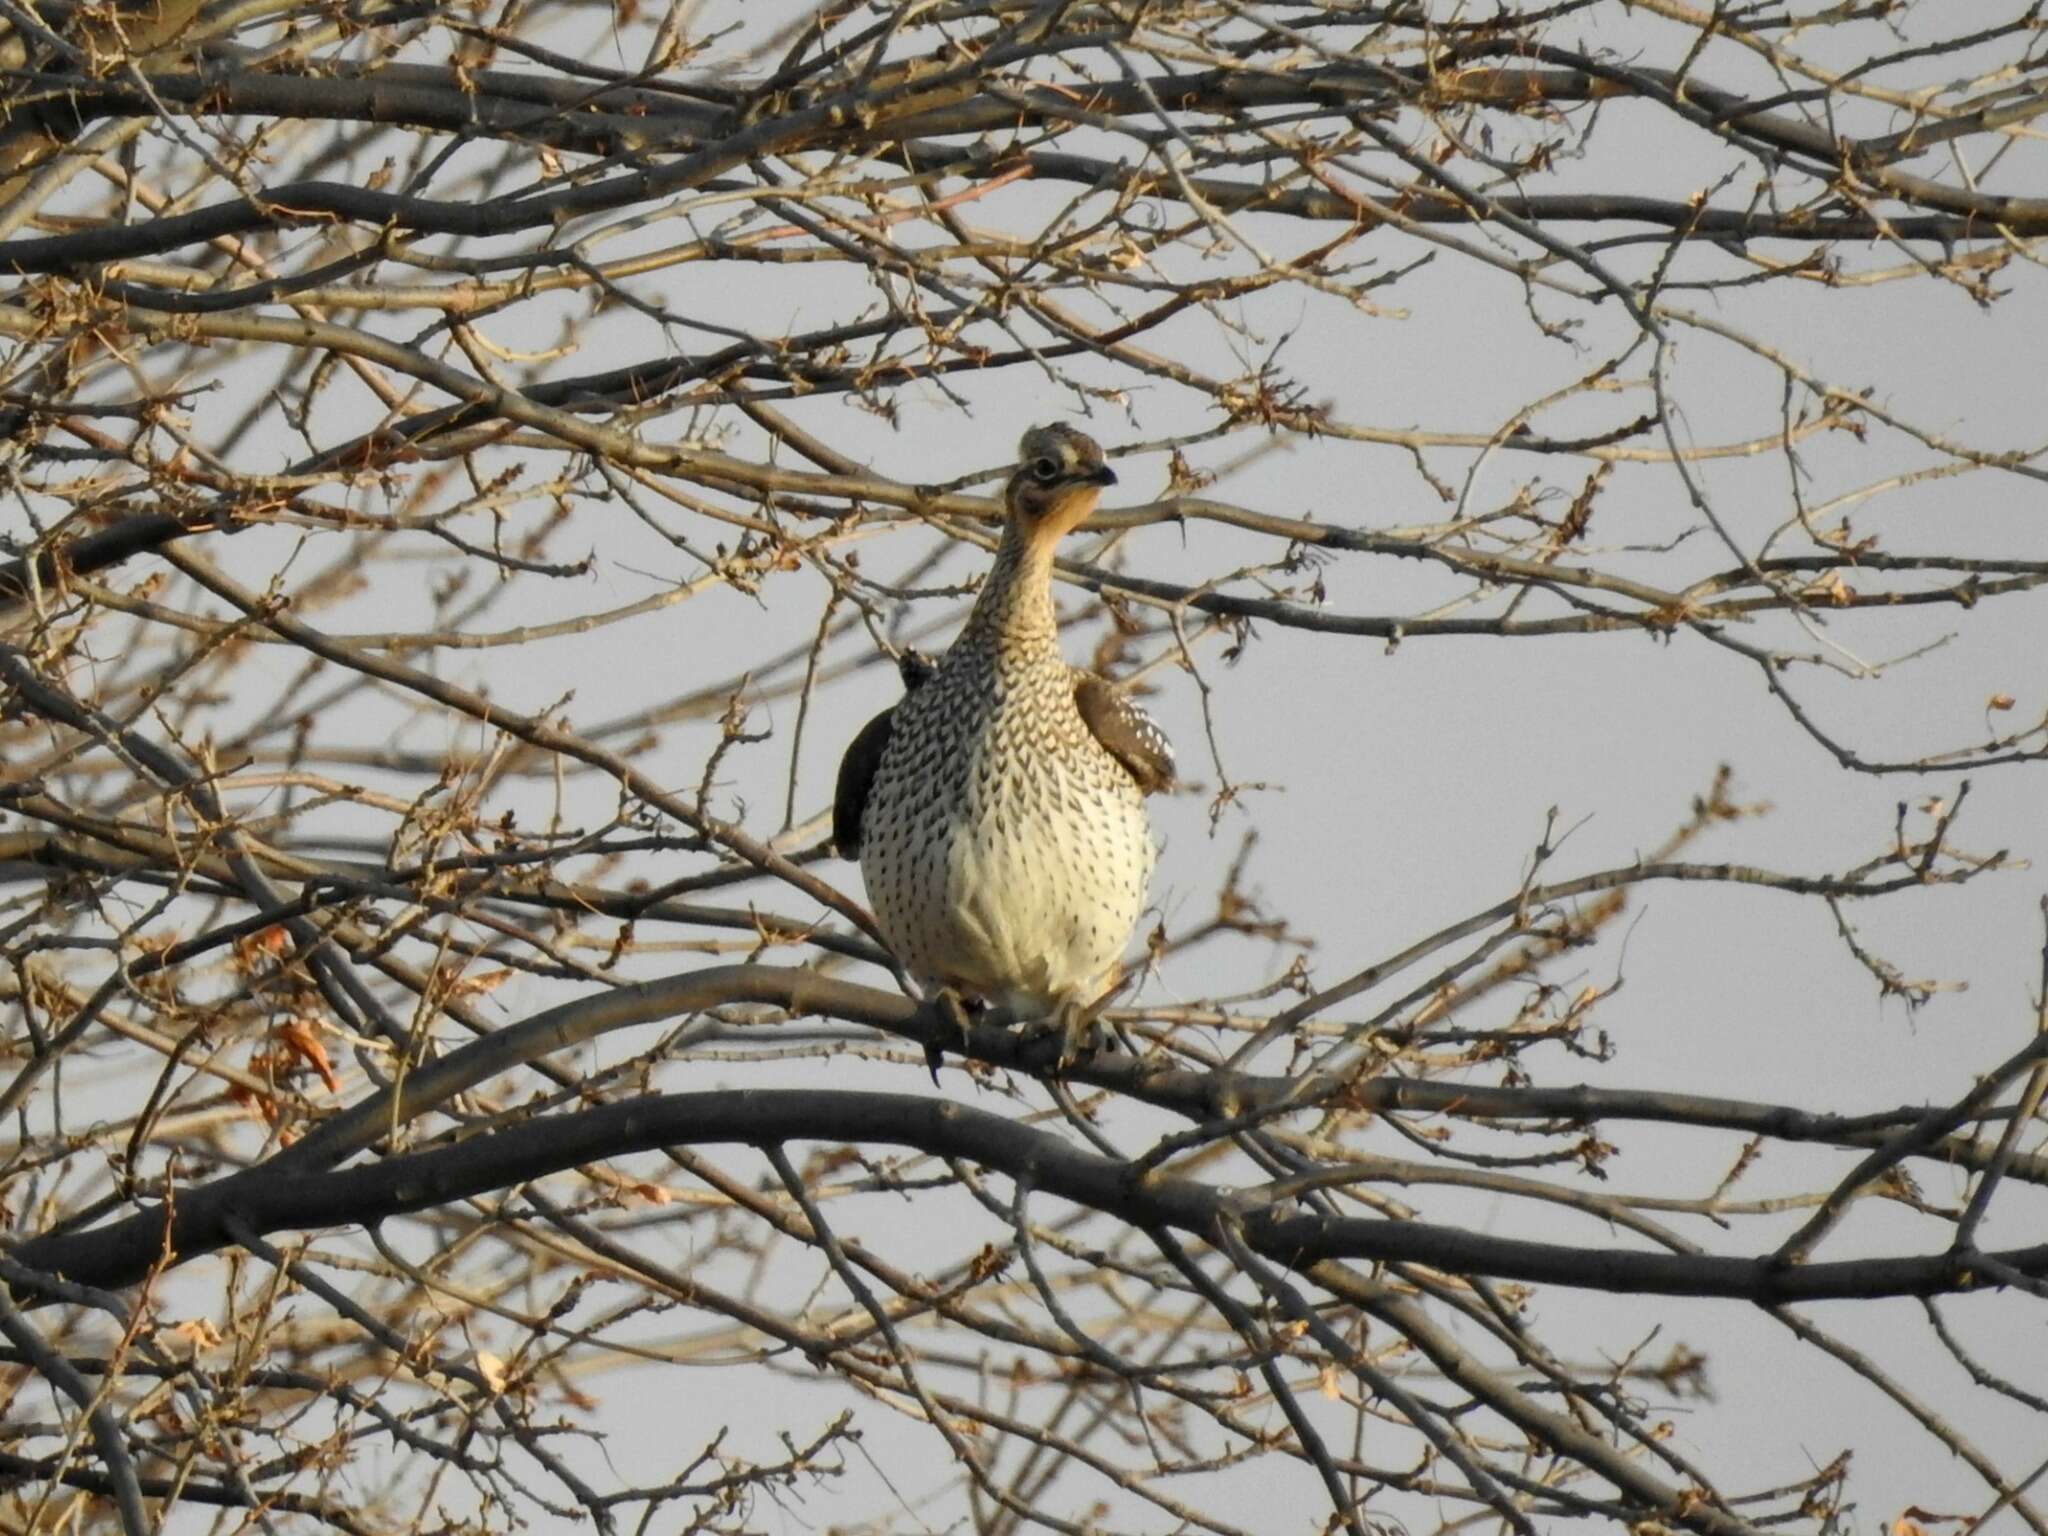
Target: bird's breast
(1003, 849)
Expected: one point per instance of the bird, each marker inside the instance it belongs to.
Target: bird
(998, 809)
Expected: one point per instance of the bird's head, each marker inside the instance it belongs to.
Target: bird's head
(1059, 477)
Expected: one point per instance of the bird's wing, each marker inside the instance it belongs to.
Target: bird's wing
(864, 756)
(856, 778)
(1125, 731)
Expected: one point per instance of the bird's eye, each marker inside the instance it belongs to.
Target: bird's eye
(1046, 469)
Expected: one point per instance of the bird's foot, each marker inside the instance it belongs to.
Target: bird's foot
(1079, 1031)
(960, 1012)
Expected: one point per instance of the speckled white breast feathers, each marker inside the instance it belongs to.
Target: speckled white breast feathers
(1005, 852)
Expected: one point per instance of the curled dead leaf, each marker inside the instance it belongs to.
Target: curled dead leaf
(297, 1036)
(473, 986)
(198, 1332)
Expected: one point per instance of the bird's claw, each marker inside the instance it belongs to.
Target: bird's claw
(958, 1011)
(1080, 1034)
(960, 1014)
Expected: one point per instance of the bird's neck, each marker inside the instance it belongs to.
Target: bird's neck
(1015, 604)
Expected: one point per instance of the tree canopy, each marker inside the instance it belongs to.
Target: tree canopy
(472, 466)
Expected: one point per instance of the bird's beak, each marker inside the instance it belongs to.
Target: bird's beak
(1102, 474)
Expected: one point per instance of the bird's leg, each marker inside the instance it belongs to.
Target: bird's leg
(959, 1011)
(1078, 1034)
